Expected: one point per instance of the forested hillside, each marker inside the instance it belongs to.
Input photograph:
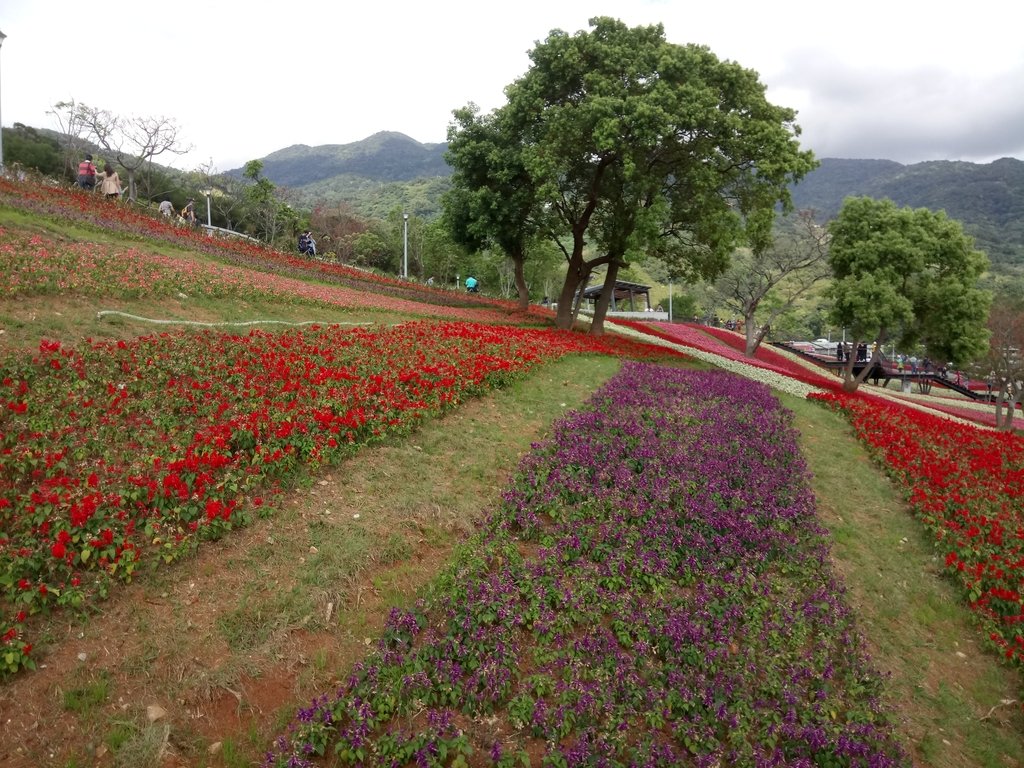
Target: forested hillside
(373, 175)
(390, 169)
(988, 199)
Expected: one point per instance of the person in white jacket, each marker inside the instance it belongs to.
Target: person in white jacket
(110, 184)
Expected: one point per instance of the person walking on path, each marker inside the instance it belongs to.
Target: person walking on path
(87, 174)
(110, 184)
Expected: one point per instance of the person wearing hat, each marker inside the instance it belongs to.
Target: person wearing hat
(87, 173)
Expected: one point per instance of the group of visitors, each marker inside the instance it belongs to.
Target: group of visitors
(187, 214)
(732, 324)
(948, 372)
(107, 179)
(910, 363)
(109, 184)
(902, 364)
(843, 352)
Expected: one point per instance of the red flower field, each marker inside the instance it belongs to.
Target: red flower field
(129, 452)
(966, 485)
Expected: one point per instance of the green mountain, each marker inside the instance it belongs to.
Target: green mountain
(374, 175)
(385, 156)
(389, 170)
(988, 199)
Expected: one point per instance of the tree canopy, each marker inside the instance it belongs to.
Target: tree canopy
(909, 275)
(491, 198)
(628, 145)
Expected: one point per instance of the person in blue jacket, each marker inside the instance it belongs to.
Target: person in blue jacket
(472, 285)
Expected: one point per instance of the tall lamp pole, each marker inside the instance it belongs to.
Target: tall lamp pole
(405, 246)
(209, 221)
(2, 37)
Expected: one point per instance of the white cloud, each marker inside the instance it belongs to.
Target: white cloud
(904, 81)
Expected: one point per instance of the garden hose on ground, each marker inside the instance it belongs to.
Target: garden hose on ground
(104, 312)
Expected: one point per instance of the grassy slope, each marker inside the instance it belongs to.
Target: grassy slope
(229, 642)
(943, 685)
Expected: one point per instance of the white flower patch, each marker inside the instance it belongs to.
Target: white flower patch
(773, 379)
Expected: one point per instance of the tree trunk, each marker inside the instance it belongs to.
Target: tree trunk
(131, 183)
(578, 298)
(601, 309)
(564, 316)
(520, 278)
(850, 382)
(748, 331)
(1013, 396)
(754, 343)
(575, 276)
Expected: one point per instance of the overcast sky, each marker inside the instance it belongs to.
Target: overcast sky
(905, 80)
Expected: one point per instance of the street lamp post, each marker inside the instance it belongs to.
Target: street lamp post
(405, 246)
(2, 37)
(209, 221)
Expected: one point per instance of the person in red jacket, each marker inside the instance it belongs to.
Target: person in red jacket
(87, 174)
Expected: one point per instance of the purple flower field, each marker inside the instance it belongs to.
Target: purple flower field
(653, 591)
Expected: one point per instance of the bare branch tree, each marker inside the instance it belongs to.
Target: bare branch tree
(143, 139)
(787, 267)
(131, 141)
(1006, 358)
(71, 123)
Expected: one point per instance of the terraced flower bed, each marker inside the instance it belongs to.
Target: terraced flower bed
(654, 590)
(36, 265)
(124, 454)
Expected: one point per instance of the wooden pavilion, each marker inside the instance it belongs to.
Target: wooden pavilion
(624, 292)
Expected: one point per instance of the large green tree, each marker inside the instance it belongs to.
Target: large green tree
(442, 256)
(633, 145)
(492, 198)
(906, 275)
(271, 219)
